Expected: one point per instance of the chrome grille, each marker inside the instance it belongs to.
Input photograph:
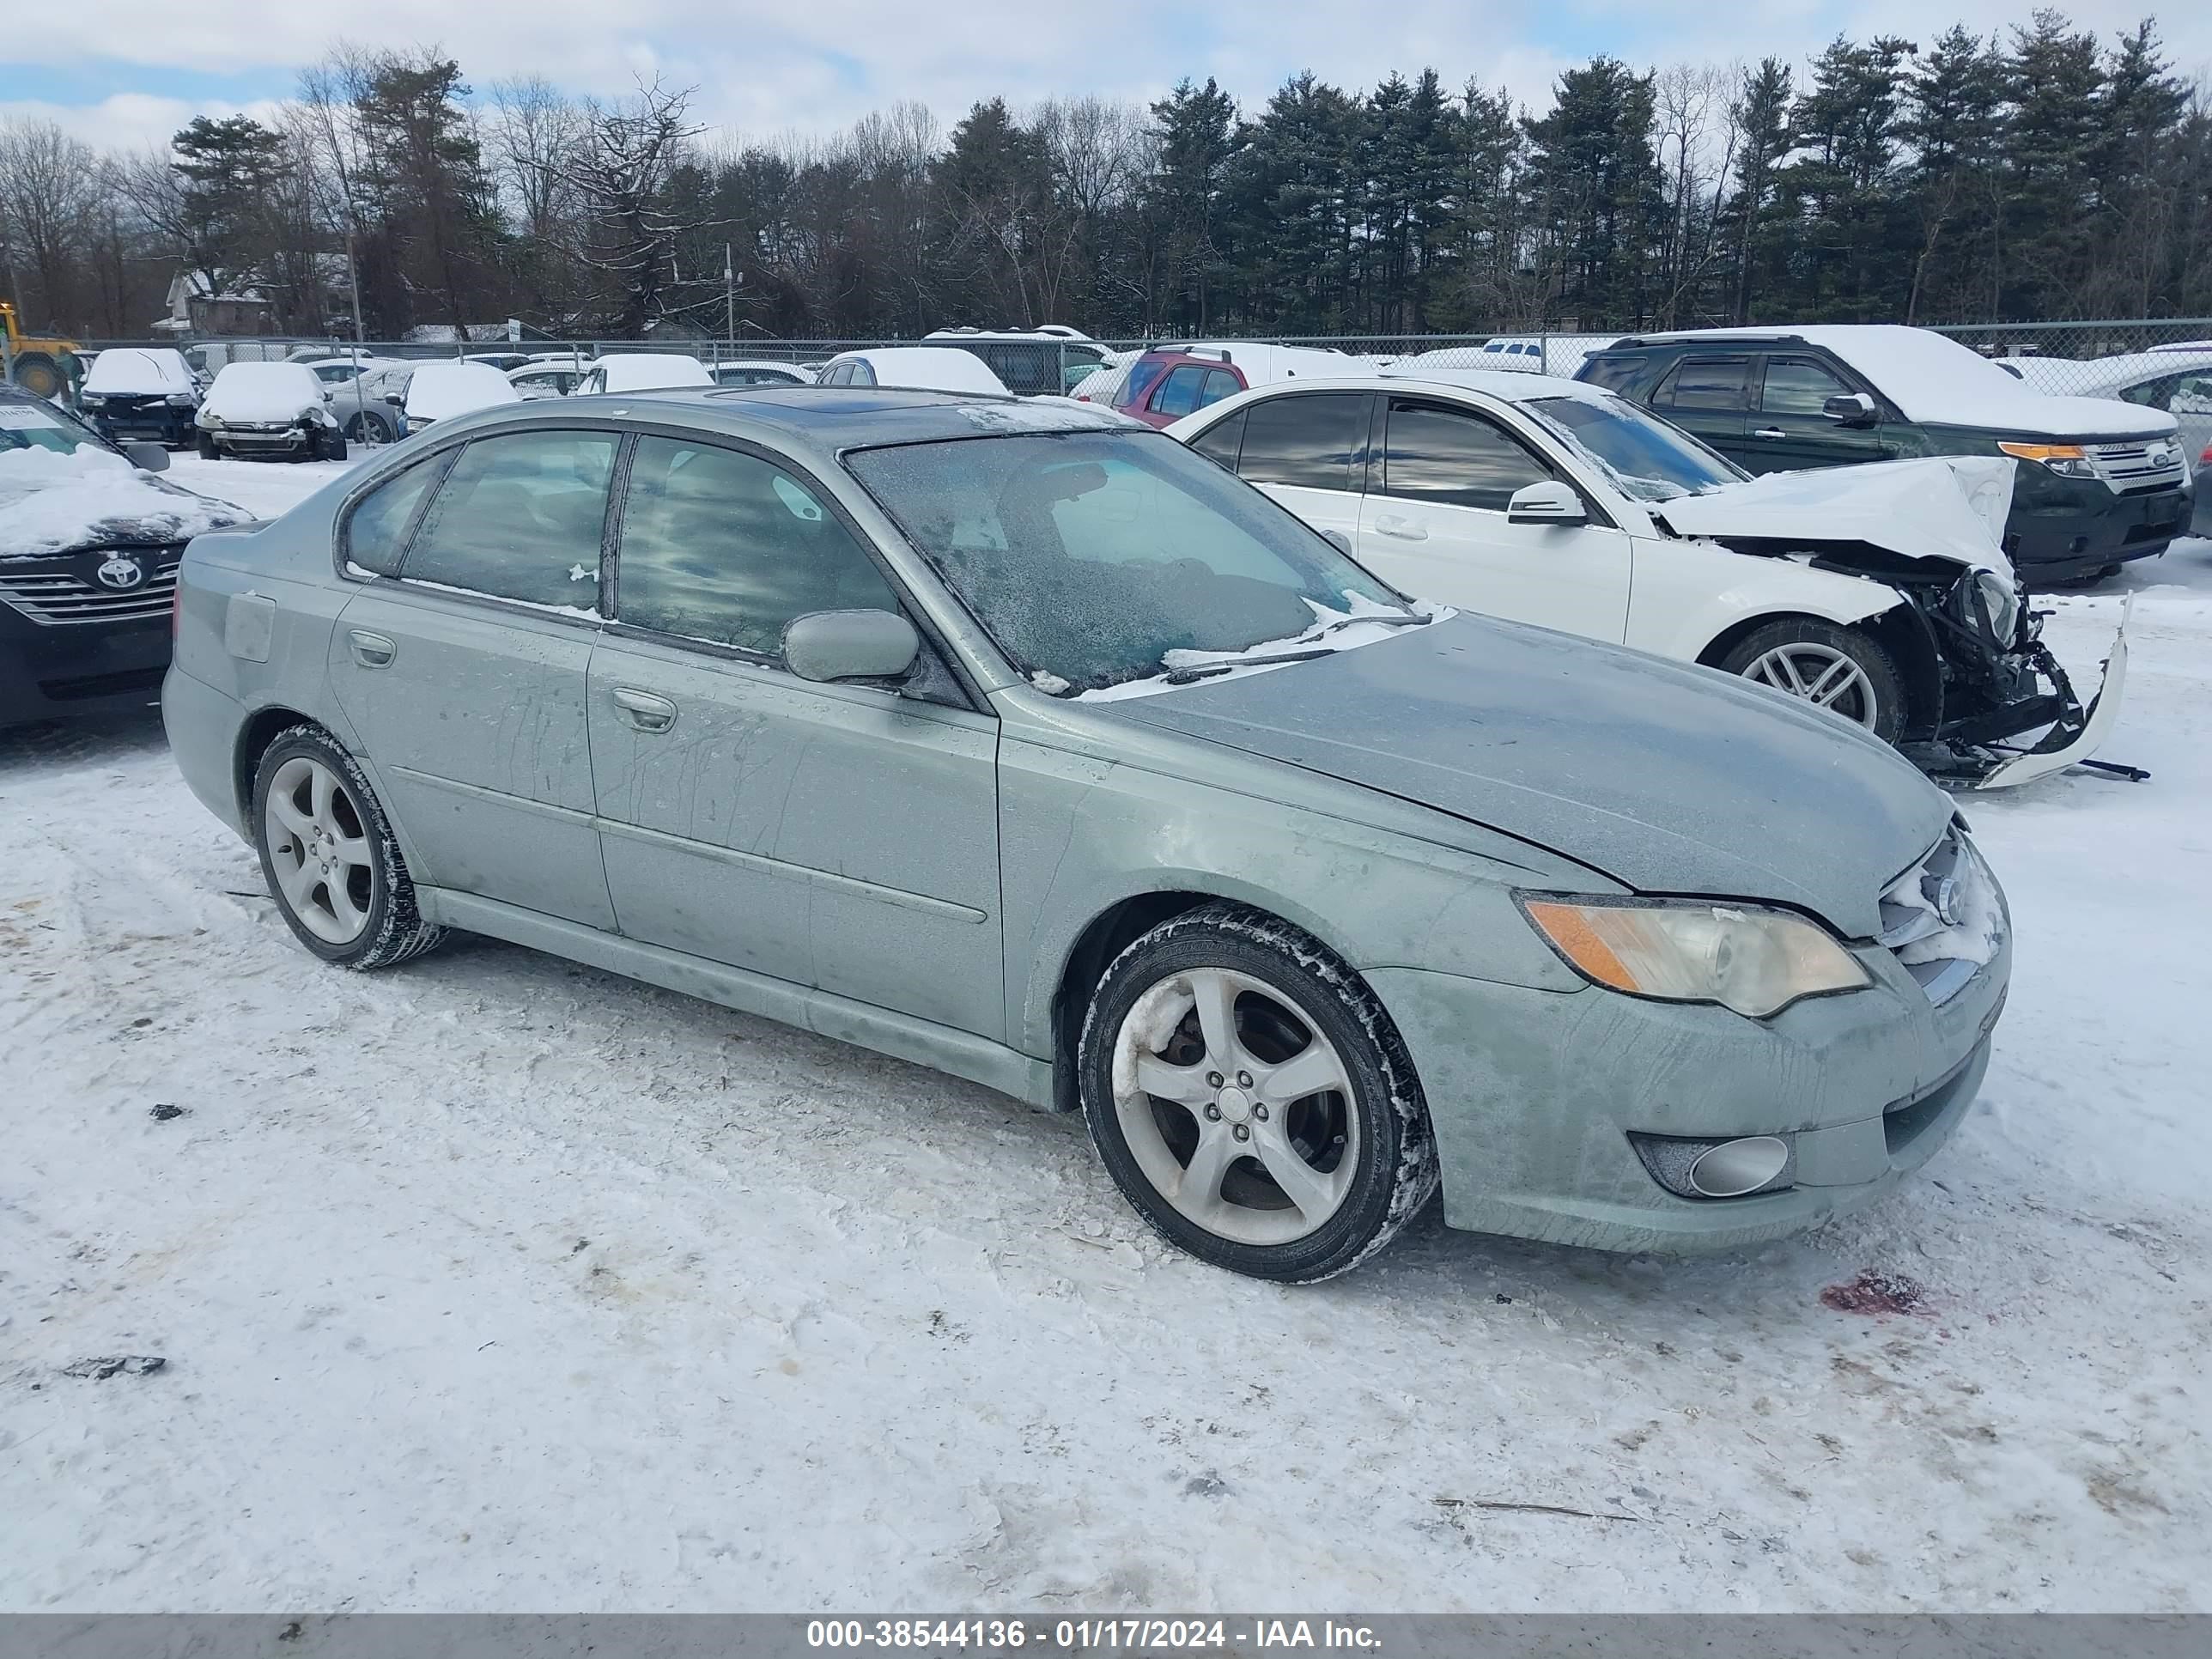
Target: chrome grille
(2155, 463)
(1944, 918)
(59, 597)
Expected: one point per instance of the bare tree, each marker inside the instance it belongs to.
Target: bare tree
(50, 184)
(618, 173)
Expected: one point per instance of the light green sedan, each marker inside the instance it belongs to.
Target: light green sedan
(1022, 742)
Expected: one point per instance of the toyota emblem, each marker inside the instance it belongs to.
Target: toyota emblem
(120, 572)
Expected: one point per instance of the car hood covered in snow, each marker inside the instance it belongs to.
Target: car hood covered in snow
(1953, 508)
(1669, 779)
(52, 503)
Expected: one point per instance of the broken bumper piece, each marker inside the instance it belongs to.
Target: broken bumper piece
(1972, 753)
(2074, 738)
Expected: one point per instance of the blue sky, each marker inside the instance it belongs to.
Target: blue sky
(126, 72)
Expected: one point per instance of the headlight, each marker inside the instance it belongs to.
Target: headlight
(2000, 604)
(207, 417)
(87, 398)
(2067, 460)
(1754, 962)
(180, 400)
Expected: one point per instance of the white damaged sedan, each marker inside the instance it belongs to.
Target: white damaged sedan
(1880, 593)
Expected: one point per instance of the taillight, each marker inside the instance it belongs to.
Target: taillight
(2205, 459)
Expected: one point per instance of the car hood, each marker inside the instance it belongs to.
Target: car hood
(1669, 779)
(1951, 506)
(53, 503)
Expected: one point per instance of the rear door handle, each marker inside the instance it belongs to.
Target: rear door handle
(1405, 529)
(1770, 432)
(371, 650)
(644, 709)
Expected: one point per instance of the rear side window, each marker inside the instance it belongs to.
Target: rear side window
(1308, 440)
(719, 545)
(1613, 374)
(376, 533)
(1219, 383)
(1220, 441)
(1705, 383)
(520, 517)
(1798, 385)
(1448, 456)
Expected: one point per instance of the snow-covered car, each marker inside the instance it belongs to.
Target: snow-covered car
(439, 391)
(746, 371)
(2103, 482)
(280, 411)
(89, 541)
(1018, 740)
(2170, 379)
(924, 368)
(1880, 593)
(643, 371)
(147, 392)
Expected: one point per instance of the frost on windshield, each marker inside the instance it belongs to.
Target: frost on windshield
(1363, 622)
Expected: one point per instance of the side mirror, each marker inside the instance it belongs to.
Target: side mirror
(850, 645)
(1550, 502)
(395, 400)
(148, 458)
(1339, 540)
(1850, 408)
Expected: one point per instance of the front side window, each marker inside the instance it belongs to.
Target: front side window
(1450, 457)
(1705, 383)
(520, 517)
(376, 531)
(723, 546)
(1182, 392)
(1090, 555)
(1798, 385)
(1309, 439)
(1221, 441)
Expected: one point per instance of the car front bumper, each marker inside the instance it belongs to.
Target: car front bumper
(1534, 1095)
(87, 668)
(256, 440)
(2078, 528)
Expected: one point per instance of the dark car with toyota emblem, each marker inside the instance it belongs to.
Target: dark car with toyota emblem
(89, 542)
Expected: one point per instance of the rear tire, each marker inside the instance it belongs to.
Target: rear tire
(329, 857)
(38, 374)
(366, 428)
(1251, 1099)
(1847, 673)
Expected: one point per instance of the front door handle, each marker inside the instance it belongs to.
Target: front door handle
(371, 650)
(1770, 432)
(645, 710)
(1403, 529)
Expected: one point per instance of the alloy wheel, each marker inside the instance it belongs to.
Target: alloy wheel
(319, 850)
(1235, 1107)
(1822, 676)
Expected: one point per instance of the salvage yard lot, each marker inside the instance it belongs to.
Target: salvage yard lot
(496, 1282)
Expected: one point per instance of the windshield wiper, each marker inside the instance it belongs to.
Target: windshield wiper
(1206, 671)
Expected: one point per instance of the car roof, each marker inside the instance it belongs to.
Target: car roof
(1506, 385)
(2134, 366)
(826, 420)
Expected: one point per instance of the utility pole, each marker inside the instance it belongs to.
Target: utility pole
(729, 294)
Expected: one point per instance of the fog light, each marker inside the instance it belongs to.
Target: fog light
(1718, 1168)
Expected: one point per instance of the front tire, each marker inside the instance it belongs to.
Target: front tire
(1839, 669)
(205, 446)
(1251, 1099)
(366, 428)
(328, 855)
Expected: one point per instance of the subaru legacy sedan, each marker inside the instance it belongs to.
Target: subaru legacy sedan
(1027, 744)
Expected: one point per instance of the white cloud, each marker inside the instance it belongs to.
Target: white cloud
(127, 120)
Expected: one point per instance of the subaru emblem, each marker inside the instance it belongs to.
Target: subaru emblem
(120, 572)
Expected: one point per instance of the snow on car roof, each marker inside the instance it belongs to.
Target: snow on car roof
(138, 369)
(2099, 376)
(441, 390)
(1934, 379)
(924, 369)
(652, 371)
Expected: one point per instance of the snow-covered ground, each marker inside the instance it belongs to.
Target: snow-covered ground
(497, 1283)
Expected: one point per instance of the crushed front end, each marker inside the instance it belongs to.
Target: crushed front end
(1984, 677)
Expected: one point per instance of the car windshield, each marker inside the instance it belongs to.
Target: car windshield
(1648, 460)
(28, 425)
(1090, 556)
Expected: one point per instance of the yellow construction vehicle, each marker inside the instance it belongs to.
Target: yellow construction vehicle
(32, 363)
